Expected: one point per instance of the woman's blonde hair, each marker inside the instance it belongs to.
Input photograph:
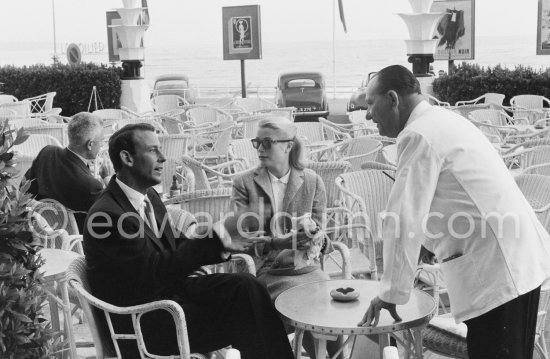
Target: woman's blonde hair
(284, 125)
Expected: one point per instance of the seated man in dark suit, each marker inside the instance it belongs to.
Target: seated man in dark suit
(63, 174)
(135, 256)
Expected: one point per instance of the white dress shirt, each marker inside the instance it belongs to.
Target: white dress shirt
(451, 188)
(278, 185)
(137, 200)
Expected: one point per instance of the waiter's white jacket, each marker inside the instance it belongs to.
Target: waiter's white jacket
(454, 194)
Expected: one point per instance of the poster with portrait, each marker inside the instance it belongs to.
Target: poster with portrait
(241, 32)
(455, 31)
(543, 28)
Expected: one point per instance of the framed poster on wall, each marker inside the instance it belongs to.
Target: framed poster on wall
(456, 30)
(543, 28)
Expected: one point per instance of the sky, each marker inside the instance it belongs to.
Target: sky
(190, 22)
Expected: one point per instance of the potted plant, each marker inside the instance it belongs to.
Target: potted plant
(24, 332)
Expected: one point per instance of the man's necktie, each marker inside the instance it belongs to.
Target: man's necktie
(150, 216)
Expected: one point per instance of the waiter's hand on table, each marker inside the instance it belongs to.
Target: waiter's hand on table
(373, 313)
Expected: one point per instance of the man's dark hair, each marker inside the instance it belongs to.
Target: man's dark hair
(123, 140)
(399, 79)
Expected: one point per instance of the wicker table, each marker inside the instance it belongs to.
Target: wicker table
(56, 263)
(310, 307)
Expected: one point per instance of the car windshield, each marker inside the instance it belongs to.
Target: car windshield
(171, 84)
(301, 83)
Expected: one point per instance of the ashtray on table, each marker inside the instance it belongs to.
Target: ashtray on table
(344, 294)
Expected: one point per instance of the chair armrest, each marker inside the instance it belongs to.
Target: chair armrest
(75, 244)
(469, 102)
(229, 165)
(346, 258)
(247, 260)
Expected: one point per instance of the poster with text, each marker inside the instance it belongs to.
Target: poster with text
(543, 28)
(456, 30)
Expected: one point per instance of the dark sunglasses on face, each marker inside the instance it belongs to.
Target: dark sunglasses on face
(266, 142)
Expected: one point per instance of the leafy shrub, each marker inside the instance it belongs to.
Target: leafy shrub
(73, 84)
(24, 332)
(469, 81)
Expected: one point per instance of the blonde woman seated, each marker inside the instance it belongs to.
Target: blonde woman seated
(288, 202)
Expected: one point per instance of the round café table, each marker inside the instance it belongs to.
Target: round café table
(56, 262)
(309, 307)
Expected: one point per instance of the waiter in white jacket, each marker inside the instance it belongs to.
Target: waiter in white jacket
(454, 195)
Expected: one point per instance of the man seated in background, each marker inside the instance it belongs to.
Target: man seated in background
(64, 174)
(134, 256)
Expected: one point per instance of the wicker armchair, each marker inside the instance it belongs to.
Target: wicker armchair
(329, 171)
(22, 108)
(58, 131)
(353, 129)
(204, 115)
(254, 104)
(165, 103)
(35, 143)
(540, 169)
(435, 101)
(371, 165)
(365, 195)
(210, 205)
(288, 112)
(360, 150)
(536, 189)
(58, 218)
(42, 105)
(354, 150)
(311, 131)
(243, 150)
(465, 110)
(212, 146)
(208, 177)
(350, 236)
(495, 117)
(7, 99)
(524, 158)
(450, 344)
(174, 145)
(533, 107)
(488, 98)
(113, 114)
(148, 120)
(250, 123)
(98, 314)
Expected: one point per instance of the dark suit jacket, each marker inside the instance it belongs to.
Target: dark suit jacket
(127, 269)
(59, 174)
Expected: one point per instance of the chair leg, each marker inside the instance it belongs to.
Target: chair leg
(540, 347)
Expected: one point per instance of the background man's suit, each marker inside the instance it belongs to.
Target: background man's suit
(59, 174)
(220, 309)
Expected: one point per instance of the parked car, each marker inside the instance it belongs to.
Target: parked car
(357, 100)
(305, 91)
(174, 84)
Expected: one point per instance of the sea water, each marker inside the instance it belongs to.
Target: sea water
(204, 63)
